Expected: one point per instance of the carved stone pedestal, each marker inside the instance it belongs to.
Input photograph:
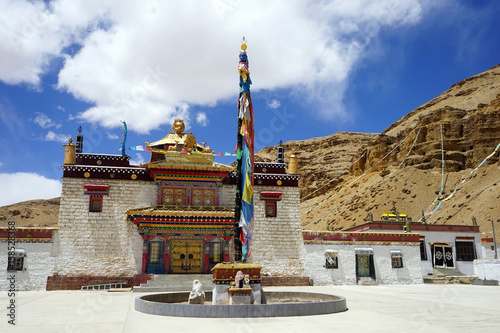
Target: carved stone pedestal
(240, 296)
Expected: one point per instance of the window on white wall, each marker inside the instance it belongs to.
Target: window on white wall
(331, 257)
(423, 250)
(95, 204)
(397, 259)
(465, 249)
(15, 261)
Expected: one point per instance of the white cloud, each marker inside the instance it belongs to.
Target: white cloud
(14, 187)
(60, 108)
(51, 136)
(33, 32)
(146, 62)
(112, 136)
(1, 164)
(202, 119)
(273, 104)
(44, 121)
(138, 160)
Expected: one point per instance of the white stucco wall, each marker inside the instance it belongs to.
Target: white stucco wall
(487, 269)
(488, 250)
(38, 265)
(277, 241)
(410, 273)
(103, 243)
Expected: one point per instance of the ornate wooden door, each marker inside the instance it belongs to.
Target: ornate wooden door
(363, 265)
(439, 256)
(448, 257)
(443, 256)
(186, 256)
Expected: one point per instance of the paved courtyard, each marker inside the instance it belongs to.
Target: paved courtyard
(398, 308)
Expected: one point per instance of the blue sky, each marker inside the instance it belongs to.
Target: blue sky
(318, 67)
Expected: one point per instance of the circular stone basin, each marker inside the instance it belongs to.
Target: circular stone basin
(279, 304)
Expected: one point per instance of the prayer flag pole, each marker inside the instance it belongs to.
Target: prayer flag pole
(244, 209)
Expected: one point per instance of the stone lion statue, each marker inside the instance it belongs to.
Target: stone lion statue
(197, 295)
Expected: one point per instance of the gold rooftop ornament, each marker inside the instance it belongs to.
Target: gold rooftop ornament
(179, 147)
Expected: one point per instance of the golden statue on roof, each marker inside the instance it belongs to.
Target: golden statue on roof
(178, 126)
(180, 146)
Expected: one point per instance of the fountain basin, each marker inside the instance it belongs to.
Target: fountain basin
(279, 304)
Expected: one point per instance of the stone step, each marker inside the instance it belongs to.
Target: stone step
(367, 282)
(175, 282)
(452, 279)
(447, 272)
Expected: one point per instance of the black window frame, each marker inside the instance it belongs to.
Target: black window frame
(465, 250)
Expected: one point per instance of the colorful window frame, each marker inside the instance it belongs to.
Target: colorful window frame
(202, 197)
(216, 251)
(95, 204)
(172, 196)
(270, 207)
(155, 252)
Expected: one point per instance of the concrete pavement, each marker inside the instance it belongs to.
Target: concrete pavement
(383, 308)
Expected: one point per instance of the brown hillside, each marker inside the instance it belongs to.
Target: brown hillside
(34, 213)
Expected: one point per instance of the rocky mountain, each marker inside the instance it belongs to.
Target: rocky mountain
(428, 162)
(320, 159)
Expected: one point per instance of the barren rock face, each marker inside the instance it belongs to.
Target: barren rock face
(320, 159)
(468, 137)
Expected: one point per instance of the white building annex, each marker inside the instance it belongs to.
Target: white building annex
(392, 250)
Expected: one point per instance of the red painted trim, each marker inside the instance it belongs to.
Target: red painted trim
(271, 194)
(207, 263)
(226, 248)
(166, 262)
(144, 262)
(359, 237)
(187, 173)
(23, 233)
(382, 225)
(95, 187)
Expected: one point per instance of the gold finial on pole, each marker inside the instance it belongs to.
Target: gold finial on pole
(243, 44)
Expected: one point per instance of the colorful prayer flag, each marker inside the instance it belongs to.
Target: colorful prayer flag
(245, 156)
